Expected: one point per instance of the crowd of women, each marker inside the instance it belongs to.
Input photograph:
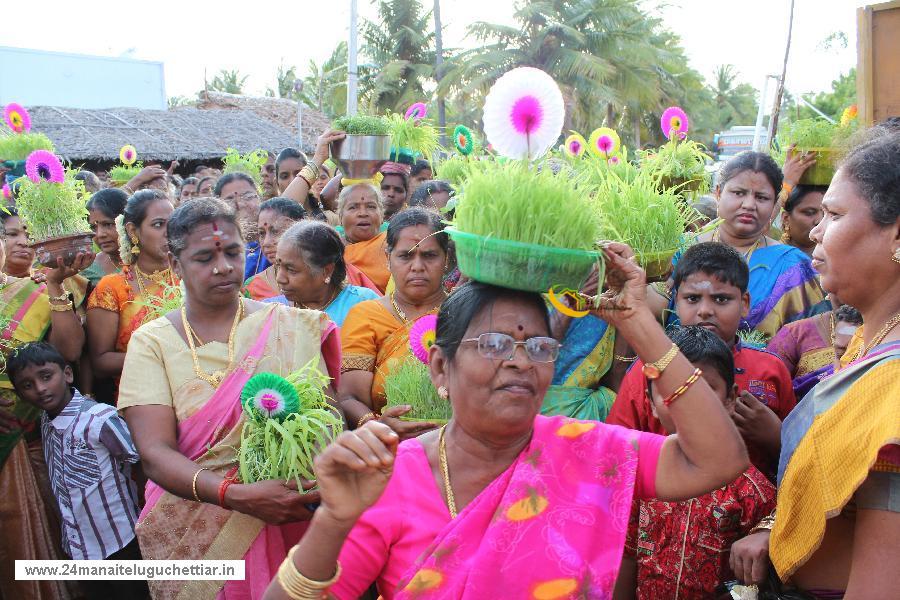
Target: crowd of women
(530, 491)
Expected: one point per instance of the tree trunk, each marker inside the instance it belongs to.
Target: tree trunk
(636, 125)
(779, 93)
(610, 115)
(438, 68)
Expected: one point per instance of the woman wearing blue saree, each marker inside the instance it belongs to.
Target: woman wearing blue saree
(784, 287)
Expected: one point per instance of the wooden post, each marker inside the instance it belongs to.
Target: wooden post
(878, 62)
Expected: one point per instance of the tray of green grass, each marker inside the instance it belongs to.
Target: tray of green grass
(519, 265)
(657, 265)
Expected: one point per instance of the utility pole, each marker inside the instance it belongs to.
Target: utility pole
(779, 92)
(351, 62)
(438, 71)
(298, 91)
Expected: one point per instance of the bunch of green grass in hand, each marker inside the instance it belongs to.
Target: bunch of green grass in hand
(285, 449)
(649, 219)
(753, 338)
(516, 202)
(170, 299)
(17, 146)
(52, 209)
(362, 125)
(409, 382)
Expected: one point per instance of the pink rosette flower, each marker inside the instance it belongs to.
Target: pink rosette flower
(674, 122)
(417, 111)
(17, 118)
(422, 336)
(43, 165)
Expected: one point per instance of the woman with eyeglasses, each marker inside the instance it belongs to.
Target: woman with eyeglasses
(502, 502)
(240, 192)
(375, 334)
(275, 217)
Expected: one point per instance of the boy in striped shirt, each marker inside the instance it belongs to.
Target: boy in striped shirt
(89, 453)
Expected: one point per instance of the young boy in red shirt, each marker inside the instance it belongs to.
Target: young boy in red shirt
(681, 549)
(710, 287)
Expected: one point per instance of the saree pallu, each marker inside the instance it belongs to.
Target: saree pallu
(551, 526)
(28, 511)
(173, 528)
(856, 409)
(258, 288)
(370, 257)
(585, 357)
(359, 279)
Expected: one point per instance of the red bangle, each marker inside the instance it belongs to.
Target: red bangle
(684, 387)
(229, 479)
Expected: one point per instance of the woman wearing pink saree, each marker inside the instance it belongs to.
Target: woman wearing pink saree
(180, 394)
(503, 502)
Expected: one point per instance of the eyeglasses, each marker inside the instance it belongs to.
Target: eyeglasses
(499, 346)
(245, 197)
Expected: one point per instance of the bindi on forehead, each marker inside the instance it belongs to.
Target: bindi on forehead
(217, 236)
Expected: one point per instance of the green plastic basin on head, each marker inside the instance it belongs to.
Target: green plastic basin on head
(822, 172)
(520, 266)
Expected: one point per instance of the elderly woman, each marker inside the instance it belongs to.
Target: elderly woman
(375, 334)
(275, 217)
(311, 273)
(180, 395)
(361, 211)
(501, 502)
(837, 521)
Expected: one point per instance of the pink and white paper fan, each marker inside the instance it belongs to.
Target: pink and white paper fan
(523, 113)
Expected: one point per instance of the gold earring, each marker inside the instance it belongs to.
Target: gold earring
(443, 393)
(786, 236)
(896, 257)
(135, 248)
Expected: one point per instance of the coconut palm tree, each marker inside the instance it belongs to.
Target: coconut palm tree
(325, 85)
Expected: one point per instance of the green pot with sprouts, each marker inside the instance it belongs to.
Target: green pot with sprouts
(525, 228)
(288, 422)
(679, 166)
(819, 137)
(650, 219)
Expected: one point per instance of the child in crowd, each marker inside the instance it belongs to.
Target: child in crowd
(710, 287)
(89, 454)
(681, 549)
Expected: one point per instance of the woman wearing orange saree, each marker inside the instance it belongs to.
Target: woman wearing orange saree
(375, 334)
(362, 213)
(120, 303)
(30, 312)
(276, 216)
(180, 394)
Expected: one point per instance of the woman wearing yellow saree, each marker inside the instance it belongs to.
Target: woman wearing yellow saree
(837, 521)
(375, 334)
(180, 393)
(30, 312)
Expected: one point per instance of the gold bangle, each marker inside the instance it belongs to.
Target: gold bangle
(67, 307)
(299, 587)
(308, 174)
(655, 370)
(787, 187)
(630, 359)
(314, 168)
(369, 416)
(194, 483)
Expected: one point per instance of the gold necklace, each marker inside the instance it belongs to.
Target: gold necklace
(402, 314)
(879, 337)
(157, 277)
(445, 473)
(717, 238)
(216, 378)
(832, 328)
(4, 279)
(327, 304)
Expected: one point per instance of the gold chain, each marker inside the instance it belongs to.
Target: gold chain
(4, 279)
(716, 238)
(831, 314)
(216, 378)
(402, 314)
(879, 337)
(156, 277)
(327, 303)
(445, 473)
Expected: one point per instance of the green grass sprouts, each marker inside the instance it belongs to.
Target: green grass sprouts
(753, 338)
(123, 173)
(516, 202)
(410, 383)
(170, 299)
(649, 219)
(363, 125)
(284, 450)
(17, 146)
(52, 209)
(679, 165)
(419, 136)
(250, 164)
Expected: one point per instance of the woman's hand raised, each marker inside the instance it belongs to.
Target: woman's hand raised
(626, 285)
(353, 471)
(323, 145)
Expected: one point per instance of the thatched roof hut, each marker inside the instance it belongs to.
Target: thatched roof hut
(186, 134)
(277, 110)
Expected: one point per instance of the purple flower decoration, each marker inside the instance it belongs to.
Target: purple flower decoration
(613, 160)
(7, 193)
(575, 145)
(417, 111)
(43, 165)
(674, 122)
